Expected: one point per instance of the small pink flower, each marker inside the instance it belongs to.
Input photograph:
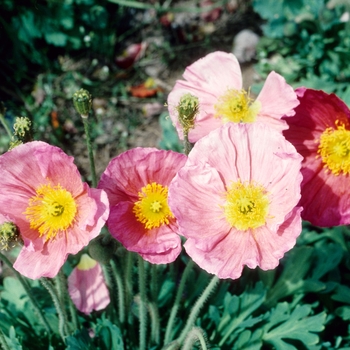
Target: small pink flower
(87, 287)
(216, 80)
(57, 214)
(235, 199)
(320, 131)
(137, 183)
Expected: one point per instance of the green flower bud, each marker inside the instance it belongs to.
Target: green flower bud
(82, 101)
(102, 248)
(9, 235)
(23, 128)
(187, 109)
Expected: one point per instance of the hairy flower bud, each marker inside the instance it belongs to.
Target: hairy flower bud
(23, 129)
(9, 235)
(102, 248)
(187, 109)
(82, 101)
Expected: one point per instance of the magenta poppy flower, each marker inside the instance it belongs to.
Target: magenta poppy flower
(57, 214)
(87, 287)
(320, 131)
(137, 183)
(235, 199)
(216, 80)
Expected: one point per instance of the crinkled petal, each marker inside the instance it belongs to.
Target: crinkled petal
(42, 263)
(215, 72)
(196, 199)
(325, 196)
(159, 245)
(127, 173)
(263, 248)
(277, 99)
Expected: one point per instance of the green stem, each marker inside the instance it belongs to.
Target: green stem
(197, 307)
(196, 334)
(4, 123)
(3, 341)
(187, 144)
(27, 288)
(128, 283)
(62, 291)
(142, 306)
(90, 152)
(180, 290)
(155, 327)
(119, 283)
(62, 324)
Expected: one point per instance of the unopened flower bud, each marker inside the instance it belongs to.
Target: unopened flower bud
(102, 248)
(187, 109)
(9, 235)
(23, 128)
(82, 101)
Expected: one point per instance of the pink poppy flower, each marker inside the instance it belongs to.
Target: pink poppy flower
(87, 287)
(320, 131)
(235, 199)
(216, 80)
(137, 183)
(57, 214)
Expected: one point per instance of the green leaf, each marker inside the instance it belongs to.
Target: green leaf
(12, 340)
(248, 340)
(343, 312)
(238, 310)
(298, 325)
(109, 334)
(56, 38)
(80, 340)
(342, 294)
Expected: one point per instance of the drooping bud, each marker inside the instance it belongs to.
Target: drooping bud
(23, 129)
(82, 101)
(187, 109)
(102, 248)
(9, 235)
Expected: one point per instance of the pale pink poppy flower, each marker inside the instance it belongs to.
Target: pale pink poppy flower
(216, 80)
(235, 199)
(87, 287)
(137, 183)
(320, 131)
(57, 214)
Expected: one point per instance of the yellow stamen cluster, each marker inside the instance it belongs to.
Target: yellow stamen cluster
(236, 106)
(51, 210)
(334, 149)
(152, 207)
(246, 206)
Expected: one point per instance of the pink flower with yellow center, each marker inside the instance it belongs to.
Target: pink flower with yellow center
(216, 80)
(137, 183)
(320, 131)
(87, 287)
(56, 213)
(235, 199)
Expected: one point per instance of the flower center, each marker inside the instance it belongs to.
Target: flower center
(246, 206)
(152, 207)
(334, 149)
(236, 106)
(51, 210)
